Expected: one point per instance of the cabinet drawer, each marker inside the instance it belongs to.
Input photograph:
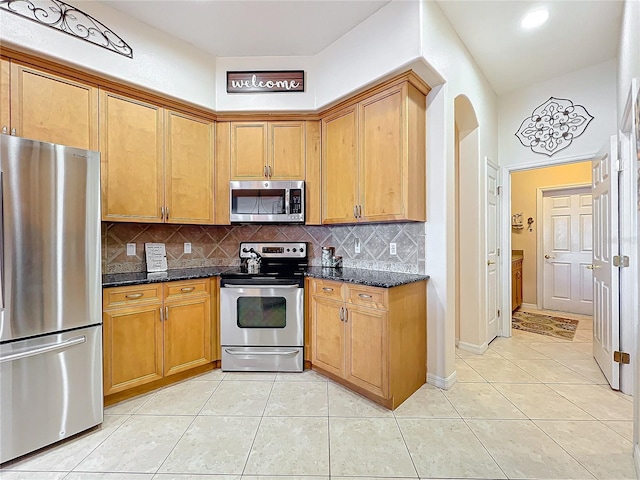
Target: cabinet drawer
(327, 289)
(367, 296)
(131, 295)
(188, 288)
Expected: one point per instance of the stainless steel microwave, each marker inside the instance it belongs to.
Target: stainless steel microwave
(266, 201)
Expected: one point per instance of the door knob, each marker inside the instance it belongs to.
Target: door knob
(593, 267)
(489, 262)
(548, 257)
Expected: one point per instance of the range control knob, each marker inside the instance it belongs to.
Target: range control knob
(301, 250)
(294, 250)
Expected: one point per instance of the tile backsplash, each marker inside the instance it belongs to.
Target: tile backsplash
(218, 245)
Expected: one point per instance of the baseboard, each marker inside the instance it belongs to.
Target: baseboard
(636, 459)
(472, 348)
(441, 382)
(529, 306)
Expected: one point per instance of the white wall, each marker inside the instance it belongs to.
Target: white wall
(594, 88)
(628, 52)
(442, 48)
(160, 62)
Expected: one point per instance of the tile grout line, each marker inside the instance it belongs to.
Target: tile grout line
(264, 410)
(405, 444)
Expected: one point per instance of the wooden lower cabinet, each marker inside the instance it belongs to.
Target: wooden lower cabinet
(370, 339)
(516, 283)
(151, 332)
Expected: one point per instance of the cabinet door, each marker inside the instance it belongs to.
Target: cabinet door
(366, 349)
(286, 150)
(383, 175)
(53, 109)
(132, 340)
(327, 335)
(187, 334)
(339, 166)
(248, 150)
(132, 176)
(5, 85)
(189, 169)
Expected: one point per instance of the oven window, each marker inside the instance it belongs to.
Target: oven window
(262, 312)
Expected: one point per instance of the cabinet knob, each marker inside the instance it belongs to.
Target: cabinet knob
(269, 170)
(364, 295)
(327, 289)
(187, 289)
(5, 130)
(133, 295)
(13, 131)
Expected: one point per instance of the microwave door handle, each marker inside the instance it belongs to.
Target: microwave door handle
(287, 194)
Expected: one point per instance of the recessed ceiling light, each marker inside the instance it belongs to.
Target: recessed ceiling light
(534, 18)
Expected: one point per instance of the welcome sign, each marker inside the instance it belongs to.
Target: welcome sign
(265, 81)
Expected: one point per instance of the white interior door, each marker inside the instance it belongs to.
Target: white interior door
(606, 280)
(493, 252)
(567, 247)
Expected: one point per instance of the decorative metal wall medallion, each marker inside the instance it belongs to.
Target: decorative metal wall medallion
(553, 125)
(70, 20)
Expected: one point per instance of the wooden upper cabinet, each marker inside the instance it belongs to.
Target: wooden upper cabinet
(286, 159)
(249, 150)
(268, 150)
(376, 144)
(340, 166)
(189, 169)
(382, 166)
(131, 159)
(53, 109)
(5, 96)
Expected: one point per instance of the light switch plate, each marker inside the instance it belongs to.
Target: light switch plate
(187, 247)
(357, 245)
(131, 249)
(392, 249)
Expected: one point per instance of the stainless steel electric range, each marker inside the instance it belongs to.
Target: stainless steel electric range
(262, 309)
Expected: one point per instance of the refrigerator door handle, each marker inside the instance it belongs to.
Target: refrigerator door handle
(1, 242)
(46, 349)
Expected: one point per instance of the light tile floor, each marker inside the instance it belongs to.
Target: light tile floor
(531, 407)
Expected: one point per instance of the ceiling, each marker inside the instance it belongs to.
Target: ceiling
(578, 33)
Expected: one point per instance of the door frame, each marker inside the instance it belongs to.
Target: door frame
(540, 191)
(505, 226)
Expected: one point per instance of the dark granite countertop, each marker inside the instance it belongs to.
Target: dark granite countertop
(373, 278)
(139, 278)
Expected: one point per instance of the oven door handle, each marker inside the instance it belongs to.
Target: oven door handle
(263, 286)
(231, 351)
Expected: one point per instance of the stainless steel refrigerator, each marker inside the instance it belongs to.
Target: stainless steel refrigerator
(50, 294)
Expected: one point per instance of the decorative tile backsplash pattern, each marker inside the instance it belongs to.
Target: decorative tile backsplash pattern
(218, 245)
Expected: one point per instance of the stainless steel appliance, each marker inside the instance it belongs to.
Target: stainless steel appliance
(262, 313)
(50, 294)
(266, 201)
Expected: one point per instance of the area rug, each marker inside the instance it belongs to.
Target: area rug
(545, 324)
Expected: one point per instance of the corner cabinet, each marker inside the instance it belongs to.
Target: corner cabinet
(374, 156)
(268, 150)
(46, 107)
(157, 165)
(151, 332)
(371, 339)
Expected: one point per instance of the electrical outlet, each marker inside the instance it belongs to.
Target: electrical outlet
(357, 245)
(131, 249)
(187, 247)
(392, 249)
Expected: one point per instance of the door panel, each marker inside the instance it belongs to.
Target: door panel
(189, 169)
(606, 280)
(327, 335)
(383, 180)
(339, 167)
(53, 109)
(187, 335)
(367, 351)
(287, 150)
(132, 174)
(248, 150)
(493, 235)
(567, 248)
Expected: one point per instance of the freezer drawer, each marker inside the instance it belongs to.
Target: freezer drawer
(50, 389)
